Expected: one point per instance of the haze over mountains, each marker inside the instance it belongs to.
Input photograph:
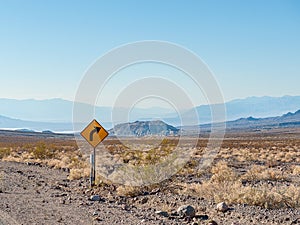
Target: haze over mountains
(56, 114)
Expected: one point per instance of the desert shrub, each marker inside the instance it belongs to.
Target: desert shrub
(264, 195)
(165, 141)
(261, 173)
(271, 197)
(4, 152)
(222, 173)
(77, 173)
(296, 170)
(42, 152)
(225, 185)
(129, 191)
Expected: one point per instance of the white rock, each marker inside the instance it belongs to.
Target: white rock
(222, 207)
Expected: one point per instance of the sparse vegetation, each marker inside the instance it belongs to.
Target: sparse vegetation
(42, 152)
(258, 171)
(4, 152)
(226, 185)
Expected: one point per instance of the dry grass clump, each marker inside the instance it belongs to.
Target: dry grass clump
(41, 151)
(4, 152)
(269, 196)
(222, 173)
(129, 191)
(296, 170)
(138, 156)
(263, 173)
(226, 185)
(57, 155)
(77, 173)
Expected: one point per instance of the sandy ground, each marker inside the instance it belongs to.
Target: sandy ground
(34, 194)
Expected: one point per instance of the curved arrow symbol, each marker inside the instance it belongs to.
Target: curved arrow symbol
(96, 130)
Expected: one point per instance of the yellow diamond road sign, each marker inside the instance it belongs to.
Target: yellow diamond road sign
(94, 133)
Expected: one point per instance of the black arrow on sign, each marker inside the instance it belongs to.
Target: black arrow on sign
(96, 130)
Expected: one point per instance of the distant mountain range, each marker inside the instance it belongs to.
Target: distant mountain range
(56, 114)
(16, 124)
(253, 106)
(289, 120)
(160, 128)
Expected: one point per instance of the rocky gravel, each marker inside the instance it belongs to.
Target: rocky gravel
(35, 194)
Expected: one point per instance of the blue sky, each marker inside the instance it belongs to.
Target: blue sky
(252, 47)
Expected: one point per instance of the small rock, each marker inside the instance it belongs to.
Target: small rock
(202, 217)
(97, 218)
(125, 207)
(95, 213)
(186, 211)
(212, 222)
(146, 193)
(235, 223)
(162, 213)
(154, 191)
(144, 200)
(222, 207)
(95, 198)
(20, 172)
(174, 213)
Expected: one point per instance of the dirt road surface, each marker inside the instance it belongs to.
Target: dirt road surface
(35, 194)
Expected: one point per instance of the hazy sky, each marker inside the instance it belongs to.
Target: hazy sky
(252, 47)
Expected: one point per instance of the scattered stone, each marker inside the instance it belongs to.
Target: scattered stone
(144, 200)
(154, 191)
(66, 170)
(20, 172)
(97, 218)
(146, 193)
(95, 198)
(125, 207)
(202, 217)
(95, 213)
(222, 207)
(174, 213)
(162, 213)
(235, 223)
(186, 211)
(212, 222)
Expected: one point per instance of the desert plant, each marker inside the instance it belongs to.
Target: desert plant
(222, 173)
(4, 152)
(42, 152)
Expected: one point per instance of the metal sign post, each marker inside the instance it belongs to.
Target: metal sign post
(93, 171)
(94, 134)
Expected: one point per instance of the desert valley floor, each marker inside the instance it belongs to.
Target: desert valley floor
(44, 179)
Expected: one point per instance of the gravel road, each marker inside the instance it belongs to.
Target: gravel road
(35, 194)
